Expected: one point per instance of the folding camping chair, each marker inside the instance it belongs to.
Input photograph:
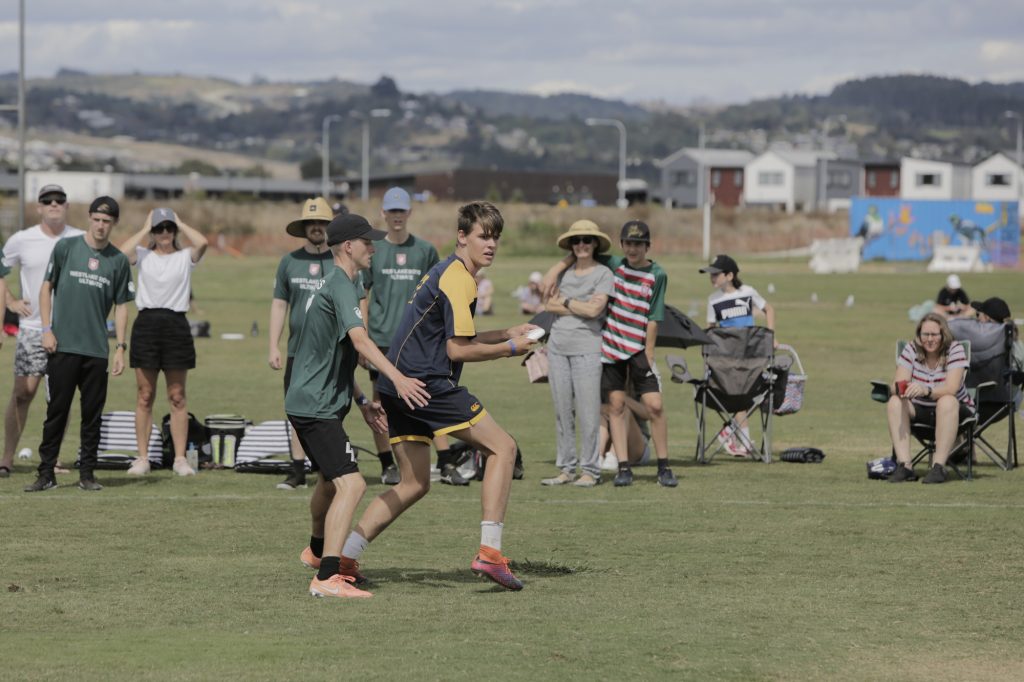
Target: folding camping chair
(996, 383)
(739, 376)
(117, 438)
(963, 448)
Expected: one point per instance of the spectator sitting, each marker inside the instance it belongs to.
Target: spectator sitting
(996, 310)
(952, 299)
(530, 302)
(638, 435)
(928, 388)
(484, 294)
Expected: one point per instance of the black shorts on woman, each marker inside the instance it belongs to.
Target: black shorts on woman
(161, 339)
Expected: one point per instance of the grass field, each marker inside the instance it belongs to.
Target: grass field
(746, 571)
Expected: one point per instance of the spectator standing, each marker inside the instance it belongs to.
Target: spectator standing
(299, 274)
(574, 353)
(86, 276)
(161, 336)
(30, 250)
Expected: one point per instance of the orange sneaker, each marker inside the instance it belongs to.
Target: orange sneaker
(350, 568)
(337, 586)
(309, 560)
(490, 563)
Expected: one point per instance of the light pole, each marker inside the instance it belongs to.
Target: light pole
(824, 159)
(374, 113)
(621, 203)
(325, 155)
(1018, 173)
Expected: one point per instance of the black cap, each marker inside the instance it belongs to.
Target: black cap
(994, 307)
(107, 205)
(52, 189)
(635, 231)
(722, 263)
(351, 226)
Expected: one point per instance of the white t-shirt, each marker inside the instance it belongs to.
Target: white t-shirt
(30, 250)
(735, 309)
(165, 281)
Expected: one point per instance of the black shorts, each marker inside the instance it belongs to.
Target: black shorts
(636, 371)
(373, 370)
(327, 445)
(925, 414)
(161, 339)
(288, 373)
(451, 411)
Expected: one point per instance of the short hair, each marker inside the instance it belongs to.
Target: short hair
(486, 214)
(946, 336)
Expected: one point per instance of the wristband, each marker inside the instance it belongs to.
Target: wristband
(362, 401)
(512, 345)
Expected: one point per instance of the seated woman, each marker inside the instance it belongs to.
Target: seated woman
(928, 388)
(638, 434)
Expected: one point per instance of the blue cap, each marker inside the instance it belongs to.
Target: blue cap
(396, 199)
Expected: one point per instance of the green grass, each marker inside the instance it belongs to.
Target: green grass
(745, 572)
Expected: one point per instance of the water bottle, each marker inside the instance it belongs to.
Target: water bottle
(192, 456)
(255, 331)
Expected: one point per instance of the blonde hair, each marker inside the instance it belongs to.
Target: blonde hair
(946, 336)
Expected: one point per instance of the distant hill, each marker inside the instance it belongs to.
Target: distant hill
(560, 106)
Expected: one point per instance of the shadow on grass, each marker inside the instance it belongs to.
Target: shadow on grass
(446, 579)
(121, 481)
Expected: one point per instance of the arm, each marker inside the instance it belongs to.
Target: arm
(196, 238)
(549, 284)
(49, 341)
(769, 316)
(652, 338)
(129, 245)
(373, 413)
(950, 386)
(278, 311)
(364, 308)
(588, 309)
(410, 390)
(3, 288)
(120, 326)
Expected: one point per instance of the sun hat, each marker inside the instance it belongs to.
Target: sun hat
(585, 228)
(314, 210)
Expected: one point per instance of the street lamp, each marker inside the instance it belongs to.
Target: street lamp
(325, 155)
(1019, 174)
(824, 159)
(621, 203)
(374, 113)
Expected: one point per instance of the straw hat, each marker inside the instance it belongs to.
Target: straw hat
(584, 228)
(313, 210)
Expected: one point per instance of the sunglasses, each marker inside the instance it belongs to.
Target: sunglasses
(60, 201)
(164, 227)
(573, 241)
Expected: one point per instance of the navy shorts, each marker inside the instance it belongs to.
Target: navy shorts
(445, 413)
(636, 371)
(925, 414)
(327, 445)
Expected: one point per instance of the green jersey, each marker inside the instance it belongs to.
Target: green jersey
(298, 274)
(325, 359)
(86, 284)
(391, 279)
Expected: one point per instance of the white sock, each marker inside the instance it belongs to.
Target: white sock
(490, 534)
(355, 545)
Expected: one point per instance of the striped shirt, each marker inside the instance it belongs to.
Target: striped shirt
(956, 358)
(638, 298)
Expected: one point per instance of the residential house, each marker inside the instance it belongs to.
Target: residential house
(721, 169)
(997, 178)
(925, 179)
(784, 178)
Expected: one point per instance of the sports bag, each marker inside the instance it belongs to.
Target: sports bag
(198, 436)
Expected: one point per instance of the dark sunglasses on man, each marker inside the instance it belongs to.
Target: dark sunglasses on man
(573, 241)
(53, 199)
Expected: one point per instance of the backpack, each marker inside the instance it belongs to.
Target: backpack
(198, 435)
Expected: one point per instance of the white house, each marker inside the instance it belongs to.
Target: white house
(783, 178)
(81, 187)
(924, 179)
(997, 178)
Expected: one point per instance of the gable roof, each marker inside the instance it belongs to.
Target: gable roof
(731, 158)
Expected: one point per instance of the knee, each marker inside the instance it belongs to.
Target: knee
(351, 485)
(145, 397)
(23, 395)
(414, 490)
(616, 406)
(947, 405)
(656, 410)
(177, 400)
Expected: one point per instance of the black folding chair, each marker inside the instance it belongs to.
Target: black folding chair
(738, 377)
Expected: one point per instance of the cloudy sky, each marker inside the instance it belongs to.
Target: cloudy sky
(679, 51)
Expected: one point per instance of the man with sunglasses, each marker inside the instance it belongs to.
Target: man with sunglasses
(398, 266)
(30, 250)
(87, 276)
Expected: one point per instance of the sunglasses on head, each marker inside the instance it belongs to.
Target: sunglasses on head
(60, 201)
(573, 241)
(164, 227)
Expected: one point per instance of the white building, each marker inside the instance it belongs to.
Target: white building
(81, 187)
(997, 178)
(783, 178)
(924, 179)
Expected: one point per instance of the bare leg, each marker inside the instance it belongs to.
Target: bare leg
(659, 425)
(175, 379)
(500, 449)
(414, 467)
(146, 379)
(348, 491)
(17, 412)
(899, 413)
(617, 424)
(947, 418)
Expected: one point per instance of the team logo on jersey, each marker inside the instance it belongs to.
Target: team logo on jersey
(94, 263)
(400, 258)
(314, 269)
(358, 312)
(475, 407)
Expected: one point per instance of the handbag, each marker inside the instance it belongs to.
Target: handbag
(796, 382)
(536, 364)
